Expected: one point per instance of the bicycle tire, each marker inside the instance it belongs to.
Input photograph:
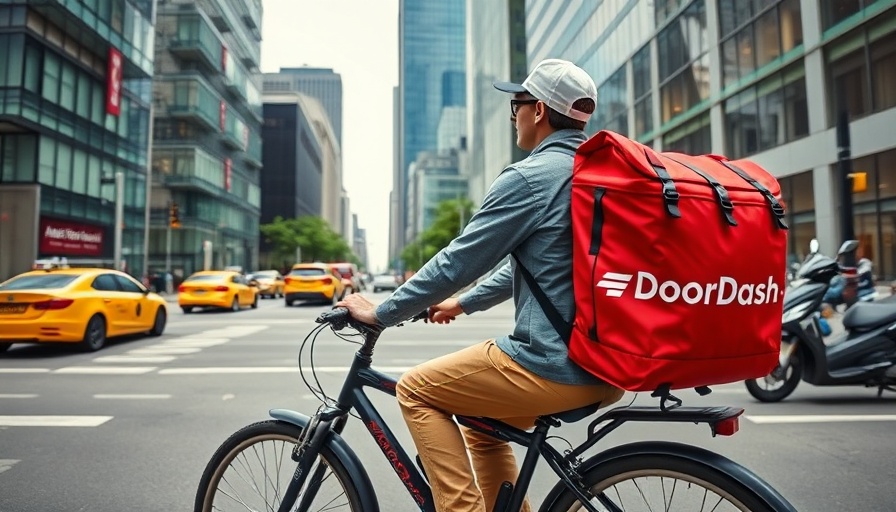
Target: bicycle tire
(243, 444)
(625, 479)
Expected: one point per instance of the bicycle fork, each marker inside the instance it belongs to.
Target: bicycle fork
(308, 446)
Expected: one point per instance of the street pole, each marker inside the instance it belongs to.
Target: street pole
(844, 161)
(168, 249)
(119, 218)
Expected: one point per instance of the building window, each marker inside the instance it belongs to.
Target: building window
(835, 11)
(769, 114)
(756, 34)
(642, 88)
(612, 109)
(693, 137)
(683, 62)
(862, 70)
(798, 196)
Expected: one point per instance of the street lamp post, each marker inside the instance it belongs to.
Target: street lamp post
(118, 181)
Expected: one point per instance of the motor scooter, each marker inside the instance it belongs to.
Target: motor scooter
(863, 355)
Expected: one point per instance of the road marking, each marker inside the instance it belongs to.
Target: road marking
(235, 331)
(20, 395)
(195, 342)
(53, 421)
(271, 369)
(826, 418)
(159, 350)
(107, 370)
(134, 359)
(24, 370)
(132, 397)
(7, 464)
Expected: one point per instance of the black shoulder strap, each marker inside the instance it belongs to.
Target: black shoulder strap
(777, 209)
(563, 328)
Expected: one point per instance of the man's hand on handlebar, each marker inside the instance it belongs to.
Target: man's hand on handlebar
(360, 308)
(445, 311)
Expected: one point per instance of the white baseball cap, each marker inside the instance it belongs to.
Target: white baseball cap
(558, 83)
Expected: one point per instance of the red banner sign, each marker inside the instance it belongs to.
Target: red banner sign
(64, 238)
(113, 82)
(222, 114)
(228, 166)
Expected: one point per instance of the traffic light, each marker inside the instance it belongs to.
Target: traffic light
(859, 182)
(173, 216)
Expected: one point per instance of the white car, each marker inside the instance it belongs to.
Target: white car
(384, 282)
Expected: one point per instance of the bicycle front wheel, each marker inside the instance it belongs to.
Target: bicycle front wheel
(670, 482)
(253, 468)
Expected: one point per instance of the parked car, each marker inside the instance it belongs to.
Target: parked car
(77, 305)
(313, 281)
(216, 289)
(270, 283)
(385, 282)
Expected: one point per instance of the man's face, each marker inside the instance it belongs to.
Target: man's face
(524, 109)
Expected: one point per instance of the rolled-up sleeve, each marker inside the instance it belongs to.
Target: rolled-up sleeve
(510, 212)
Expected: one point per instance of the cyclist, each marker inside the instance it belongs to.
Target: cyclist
(527, 373)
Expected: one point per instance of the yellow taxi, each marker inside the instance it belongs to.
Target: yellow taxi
(313, 281)
(270, 283)
(216, 289)
(77, 305)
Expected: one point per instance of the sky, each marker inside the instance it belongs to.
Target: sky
(359, 40)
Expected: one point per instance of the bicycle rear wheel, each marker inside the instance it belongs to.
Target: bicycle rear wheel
(253, 468)
(671, 483)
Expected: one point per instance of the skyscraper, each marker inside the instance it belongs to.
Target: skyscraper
(321, 83)
(432, 70)
(207, 136)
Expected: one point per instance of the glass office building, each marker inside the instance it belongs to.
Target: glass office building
(496, 39)
(758, 79)
(74, 110)
(206, 156)
(432, 55)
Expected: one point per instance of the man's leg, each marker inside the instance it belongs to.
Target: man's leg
(478, 381)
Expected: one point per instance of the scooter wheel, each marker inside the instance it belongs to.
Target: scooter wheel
(779, 384)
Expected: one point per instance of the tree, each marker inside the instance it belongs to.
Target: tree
(311, 234)
(451, 216)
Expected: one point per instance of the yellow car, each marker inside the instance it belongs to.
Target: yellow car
(216, 289)
(313, 281)
(77, 305)
(270, 283)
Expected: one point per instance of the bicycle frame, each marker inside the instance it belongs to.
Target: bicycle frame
(352, 396)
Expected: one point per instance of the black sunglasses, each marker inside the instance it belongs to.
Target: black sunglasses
(515, 105)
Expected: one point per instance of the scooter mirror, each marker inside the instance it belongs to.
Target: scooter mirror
(848, 246)
(813, 246)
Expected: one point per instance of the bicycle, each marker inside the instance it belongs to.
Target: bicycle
(640, 474)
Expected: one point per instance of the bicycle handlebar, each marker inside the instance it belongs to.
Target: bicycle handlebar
(340, 317)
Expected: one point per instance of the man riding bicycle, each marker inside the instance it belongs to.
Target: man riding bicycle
(526, 374)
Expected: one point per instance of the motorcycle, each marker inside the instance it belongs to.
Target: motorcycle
(864, 354)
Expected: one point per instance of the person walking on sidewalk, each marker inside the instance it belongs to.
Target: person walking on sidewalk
(527, 373)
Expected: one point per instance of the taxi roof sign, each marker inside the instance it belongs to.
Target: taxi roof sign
(49, 264)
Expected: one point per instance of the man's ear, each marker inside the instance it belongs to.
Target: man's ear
(540, 111)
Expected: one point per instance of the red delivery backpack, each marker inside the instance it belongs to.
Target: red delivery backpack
(678, 267)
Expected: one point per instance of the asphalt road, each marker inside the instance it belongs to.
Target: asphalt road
(131, 427)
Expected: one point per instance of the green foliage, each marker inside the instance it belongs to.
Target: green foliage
(451, 215)
(312, 235)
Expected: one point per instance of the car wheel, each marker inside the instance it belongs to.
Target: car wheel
(4, 347)
(187, 309)
(94, 334)
(235, 305)
(158, 326)
(376, 290)
(288, 303)
(255, 303)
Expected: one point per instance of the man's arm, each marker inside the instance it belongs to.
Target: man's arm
(509, 214)
(491, 292)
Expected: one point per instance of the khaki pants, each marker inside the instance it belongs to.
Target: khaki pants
(479, 381)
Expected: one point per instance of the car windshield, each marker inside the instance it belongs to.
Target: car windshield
(44, 281)
(269, 275)
(309, 271)
(206, 277)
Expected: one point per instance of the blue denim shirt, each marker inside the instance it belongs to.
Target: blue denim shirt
(526, 212)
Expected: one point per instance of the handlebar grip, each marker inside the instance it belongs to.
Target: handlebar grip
(334, 316)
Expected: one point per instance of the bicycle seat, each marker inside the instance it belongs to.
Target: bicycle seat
(573, 415)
